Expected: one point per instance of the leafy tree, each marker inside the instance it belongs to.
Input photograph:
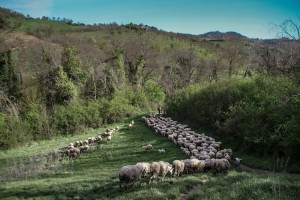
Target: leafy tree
(8, 78)
(73, 66)
(58, 88)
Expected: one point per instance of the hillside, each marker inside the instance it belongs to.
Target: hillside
(59, 79)
(217, 35)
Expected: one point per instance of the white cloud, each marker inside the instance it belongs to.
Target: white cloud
(35, 8)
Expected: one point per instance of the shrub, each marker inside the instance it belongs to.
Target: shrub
(259, 115)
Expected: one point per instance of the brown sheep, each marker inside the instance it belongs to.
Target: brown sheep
(148, 147)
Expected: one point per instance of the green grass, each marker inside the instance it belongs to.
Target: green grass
(30, 24)
(94, 175)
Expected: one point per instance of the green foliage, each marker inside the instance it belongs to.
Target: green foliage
(77, 117)
(116, 72)
(37, 121)
(58, 88)
(13, 132)
(73, 66)
(135, 71)
(257, 115)
(8, 77)
(154, 92)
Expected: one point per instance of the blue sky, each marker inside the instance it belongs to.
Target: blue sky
(253, 18)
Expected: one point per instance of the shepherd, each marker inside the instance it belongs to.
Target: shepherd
(159, 109)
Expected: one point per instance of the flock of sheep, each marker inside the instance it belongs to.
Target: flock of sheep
(204, 153)
(81, 146)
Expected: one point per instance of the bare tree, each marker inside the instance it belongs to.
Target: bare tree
(141, 61)
(289, 57)
(233, 55)
(215, 66)
(265, 59)
(189, 66)
(290, 29)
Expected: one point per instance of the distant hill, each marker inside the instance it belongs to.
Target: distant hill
(217, 35)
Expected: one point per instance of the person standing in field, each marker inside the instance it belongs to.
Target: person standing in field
(159, 109)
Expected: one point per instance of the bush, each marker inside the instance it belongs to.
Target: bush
(13, 131)
(72, 119)
(258, 115)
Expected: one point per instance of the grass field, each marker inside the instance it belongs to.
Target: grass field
(27, 173)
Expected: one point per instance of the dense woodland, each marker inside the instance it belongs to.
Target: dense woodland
(61, 78)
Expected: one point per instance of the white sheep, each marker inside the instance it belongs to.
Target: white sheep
(238, 160)
(178, 167)
(130, 173)
(161, 151)
(160, 168)
(130, 126)
(146, 166)
(108, 138)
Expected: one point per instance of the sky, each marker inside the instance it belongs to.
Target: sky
(252, 18)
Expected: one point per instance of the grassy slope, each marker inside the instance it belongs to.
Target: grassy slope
(94, 174)
(29, 24)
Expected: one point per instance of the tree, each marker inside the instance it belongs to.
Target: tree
(73, 66)
(189, 67)
(289, 57)
(232, 55)
(290, 29)
(266, 58)
(8, 78)
(58, 88)
(141, 61)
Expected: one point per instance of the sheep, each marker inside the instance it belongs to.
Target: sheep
(193, 165)
(72, 152)
(160, 168)
(197, 165)
(146, 166)
(208, 164)
(91, 140)
(211, 154)
(227, 157)
(84, 148)
(148, 147)
(77, 143)
(130, 126)
(220, 165)
(219, 155)
(98, 138)
(192, 147)
(178, 166)
(238, 160)
(130, 173)
(161, 151)
(108, 138)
